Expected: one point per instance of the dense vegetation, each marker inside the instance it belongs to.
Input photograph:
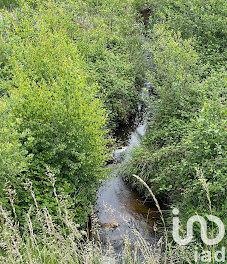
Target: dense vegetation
(183, 155)
(69, 70)
(8, 4)
(70, 73)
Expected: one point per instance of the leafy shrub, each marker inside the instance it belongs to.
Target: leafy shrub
(177, 69)
(13, 161)
(204, 21)
(54, 100)
(110, 41)
(173, 106)
(205, 151)
(183, 154)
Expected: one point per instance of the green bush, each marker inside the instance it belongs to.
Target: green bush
(59, 62)
(176, 71)
(52, 97)
(13, 155)
(205, 151)
(110, 42)
(204, 21)
(183, 155)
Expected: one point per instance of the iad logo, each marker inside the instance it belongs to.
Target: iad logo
(206, 255)
(203, 223)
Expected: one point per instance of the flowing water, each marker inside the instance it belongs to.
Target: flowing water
(121, 210)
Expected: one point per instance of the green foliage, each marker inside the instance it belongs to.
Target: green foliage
(13, 161)
(110, 41)
(205, 21)
(8, 4)
(4, 53)
(51, 96)
(176, 71)
(183, 155)
(205, 149)
(60, 60)
(143, 4)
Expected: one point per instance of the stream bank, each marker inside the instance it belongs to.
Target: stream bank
(120, 210)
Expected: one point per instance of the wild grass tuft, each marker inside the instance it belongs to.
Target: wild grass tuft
(44, 240)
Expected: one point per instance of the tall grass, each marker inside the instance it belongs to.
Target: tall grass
(180, 253)
(44, 240)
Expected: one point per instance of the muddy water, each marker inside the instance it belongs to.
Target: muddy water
(121, 210)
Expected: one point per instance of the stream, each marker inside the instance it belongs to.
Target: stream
(120, 210)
